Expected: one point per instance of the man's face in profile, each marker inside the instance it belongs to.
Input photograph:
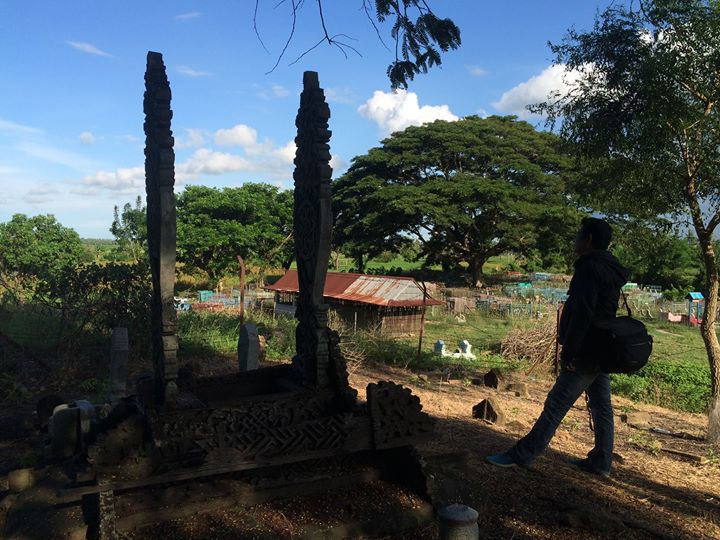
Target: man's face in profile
(583, 242)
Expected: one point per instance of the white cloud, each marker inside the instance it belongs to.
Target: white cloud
(274, 91)
(187, 16)
(123, 179)
(193, 138)
(536, 89)
(86, 137)
(394, 111)
(338, 165)
(12, 127)
(41, 194)
(190, 72)
(287, 153)
(339, 95)
(279, 90)
(266, 161)
(205, 161)
(87, 48)
(477, 71)
(239, 135)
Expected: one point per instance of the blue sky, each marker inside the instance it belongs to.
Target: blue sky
(71, 140)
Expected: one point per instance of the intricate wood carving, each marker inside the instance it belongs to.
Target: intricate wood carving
(397, 415)
(159, 181)
(312, 229)
(297, 424)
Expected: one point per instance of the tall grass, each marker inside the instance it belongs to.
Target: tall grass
(202, 333)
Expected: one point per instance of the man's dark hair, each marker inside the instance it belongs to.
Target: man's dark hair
(600, 231)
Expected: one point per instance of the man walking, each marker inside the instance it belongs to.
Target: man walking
(593, 296)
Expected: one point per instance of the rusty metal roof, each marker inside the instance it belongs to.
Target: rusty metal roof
(390, 291)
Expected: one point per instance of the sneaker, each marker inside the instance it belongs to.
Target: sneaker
(586, 465)
(502, 460)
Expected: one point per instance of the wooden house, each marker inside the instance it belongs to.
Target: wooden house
(390, 304)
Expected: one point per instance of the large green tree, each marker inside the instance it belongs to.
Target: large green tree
(645, 100)
(657, 254)
(36, 250)
(465, 190)
(214, 226)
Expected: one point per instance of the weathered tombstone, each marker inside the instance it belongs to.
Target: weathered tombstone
(119, 351)
(63, 431)
(493, 378)
(20, 480)
(439, 347)
(519, 388)
(458, 522)
(248, 347)
(159, 182)
(489, 409)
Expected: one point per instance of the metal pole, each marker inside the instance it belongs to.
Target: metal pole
(422, 320)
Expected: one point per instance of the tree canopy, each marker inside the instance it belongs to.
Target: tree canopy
(644, 100)
(129, 228)
(34, 250)
(464, 190)
(214, 226)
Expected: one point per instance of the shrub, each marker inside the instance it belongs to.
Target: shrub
(684, 387)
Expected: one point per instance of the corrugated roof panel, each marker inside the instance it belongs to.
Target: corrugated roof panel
(395, 291)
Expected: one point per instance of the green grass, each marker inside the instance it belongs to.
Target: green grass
(203, 333)
(677, 375)
(500, 263)
(396, 262)
(677, 343)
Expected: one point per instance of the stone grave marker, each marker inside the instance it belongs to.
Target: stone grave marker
(248, 347)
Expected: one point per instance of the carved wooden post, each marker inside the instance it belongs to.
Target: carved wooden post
(312, 229)
(159, 181)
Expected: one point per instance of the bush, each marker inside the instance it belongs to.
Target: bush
(684, 387)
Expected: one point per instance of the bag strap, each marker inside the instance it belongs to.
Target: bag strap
(626, 303)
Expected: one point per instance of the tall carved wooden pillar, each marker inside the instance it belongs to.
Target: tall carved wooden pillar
(312, 230)
(159, 181)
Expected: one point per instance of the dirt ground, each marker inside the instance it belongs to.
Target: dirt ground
(650, 494)
(658, 489)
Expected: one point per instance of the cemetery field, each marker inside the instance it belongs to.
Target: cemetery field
(677, 375)
(662, 486)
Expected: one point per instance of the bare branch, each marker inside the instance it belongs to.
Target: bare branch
(372, 22)
(289, 39)
(257, 3)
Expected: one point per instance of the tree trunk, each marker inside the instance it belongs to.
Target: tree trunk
(709, 335)
(360, 262)
(475, 267)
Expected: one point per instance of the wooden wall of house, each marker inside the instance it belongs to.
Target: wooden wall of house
(387, 320)
(401, 320)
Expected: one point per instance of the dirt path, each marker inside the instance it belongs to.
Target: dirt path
(651, 494)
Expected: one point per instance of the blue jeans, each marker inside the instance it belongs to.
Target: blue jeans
(568, 387)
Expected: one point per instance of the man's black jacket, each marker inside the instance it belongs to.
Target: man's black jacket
(593, 296)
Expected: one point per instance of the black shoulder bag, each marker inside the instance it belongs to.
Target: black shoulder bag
(622, 344)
